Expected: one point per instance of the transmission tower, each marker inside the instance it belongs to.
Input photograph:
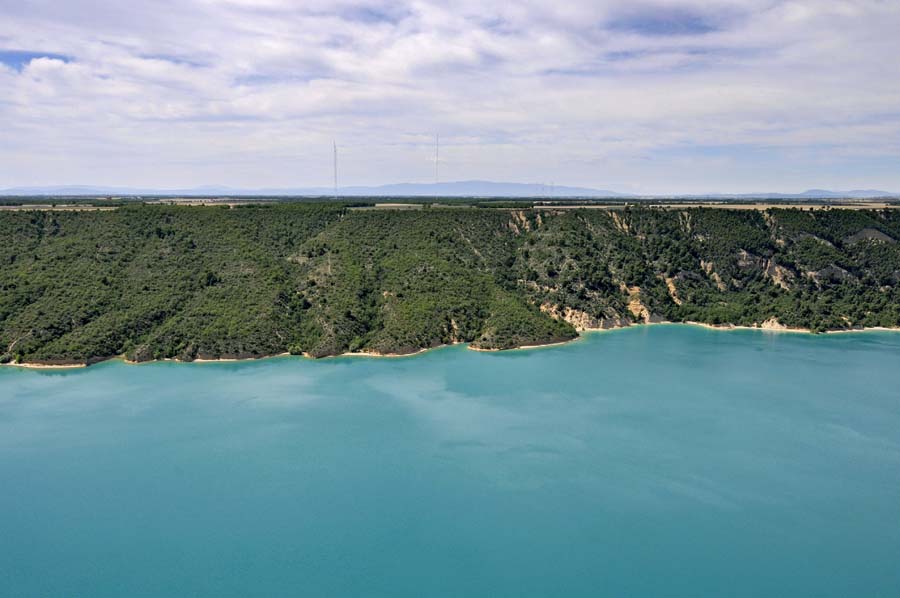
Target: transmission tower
(437, 156)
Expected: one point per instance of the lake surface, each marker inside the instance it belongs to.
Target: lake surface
(653, 461)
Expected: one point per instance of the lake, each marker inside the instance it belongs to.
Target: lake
(653, 461)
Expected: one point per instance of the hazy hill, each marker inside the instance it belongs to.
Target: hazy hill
(448, 189)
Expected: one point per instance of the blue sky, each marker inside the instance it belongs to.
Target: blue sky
(662, 96)
(19, 59)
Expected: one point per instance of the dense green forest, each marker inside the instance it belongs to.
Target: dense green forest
(152, 281)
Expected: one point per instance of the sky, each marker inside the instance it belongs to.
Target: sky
(661, 96)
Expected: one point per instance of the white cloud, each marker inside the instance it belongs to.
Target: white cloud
(646, 96)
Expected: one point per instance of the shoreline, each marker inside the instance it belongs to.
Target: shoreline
(372, 354)
(379, 355)
(528, 347)
(217, 360)
(727, 327)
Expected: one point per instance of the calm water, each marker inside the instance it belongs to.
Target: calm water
(655, 461)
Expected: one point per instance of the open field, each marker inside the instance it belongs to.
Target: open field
(55, 208)
(732, 206)
(391, 206)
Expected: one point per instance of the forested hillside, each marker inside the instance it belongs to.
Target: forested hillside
(154, 282)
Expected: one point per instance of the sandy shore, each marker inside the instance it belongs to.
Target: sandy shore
(220, 359)
(872, 329)
(727, 327)
(524, 347)
(735, 327)
(386, 355)
(44, 366)
(372, 354)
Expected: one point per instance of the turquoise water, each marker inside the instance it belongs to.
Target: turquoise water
(653, 461)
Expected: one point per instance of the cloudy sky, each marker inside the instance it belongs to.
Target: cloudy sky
(663, 96)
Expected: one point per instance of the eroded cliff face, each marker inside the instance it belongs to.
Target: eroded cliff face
(748, 268)
(773, 324)
(582, 321)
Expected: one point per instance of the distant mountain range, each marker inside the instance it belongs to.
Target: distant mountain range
(808, 194)
(449, 189)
